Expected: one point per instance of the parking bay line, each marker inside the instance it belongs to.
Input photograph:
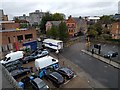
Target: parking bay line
(69, 80)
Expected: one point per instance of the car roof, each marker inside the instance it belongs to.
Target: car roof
(65, 69)
(55, 75)
(38, 80)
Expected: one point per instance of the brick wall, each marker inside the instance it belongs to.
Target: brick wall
(7, 26)
(11, 37)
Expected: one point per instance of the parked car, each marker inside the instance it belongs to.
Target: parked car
(39, 84)
(21, 71)
(28, 59)
(66, 72)
(110, 54)
(13, 63)
(40, 53)
(56, 78)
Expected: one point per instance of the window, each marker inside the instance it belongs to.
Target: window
(9, 40)
(20, 37)
(28, 36)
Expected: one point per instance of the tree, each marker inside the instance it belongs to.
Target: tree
(47, 17)
(106, 19)
(92, 33)
(98, 28)
(53, 32)
(57, 17)
(63, 31)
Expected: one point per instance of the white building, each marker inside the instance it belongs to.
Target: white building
(119, 7)
(1, 15)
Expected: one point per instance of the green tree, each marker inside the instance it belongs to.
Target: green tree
(63, 31)
(105, 19)
(47, 17)
(53, 32)
(98, 28)
(92, 33)
(57, 17)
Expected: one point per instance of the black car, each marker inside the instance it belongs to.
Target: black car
(28, 59)
(38, 84)
(20, 71)
(12, 63)
(56, 78)
(66, 72)
(110, 54)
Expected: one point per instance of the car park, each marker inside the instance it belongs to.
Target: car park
(110, 54)
(56, 78)
(39, 84)
(28, 59)
(20, 71)
(66, 72)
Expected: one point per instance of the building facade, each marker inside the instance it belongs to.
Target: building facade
(71, 25)
(115, 30)
(49, 24)
(36, 17)
(81, 25)
(14, 38)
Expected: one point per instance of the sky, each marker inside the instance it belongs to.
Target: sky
(75, 8)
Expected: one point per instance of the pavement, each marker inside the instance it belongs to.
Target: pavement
(108, 61)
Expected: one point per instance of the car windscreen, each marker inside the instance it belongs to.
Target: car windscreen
(41, 84)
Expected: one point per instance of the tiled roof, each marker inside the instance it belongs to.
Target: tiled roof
(55, 23)
(70, 20)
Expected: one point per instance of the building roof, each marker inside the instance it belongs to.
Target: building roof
(13, 30)
(7, 21)
(55, 23)
(78, 20)
(94, 18)
(70, 20)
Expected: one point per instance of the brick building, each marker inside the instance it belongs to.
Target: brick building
(71, 25)
(12, 37)
(115, 30)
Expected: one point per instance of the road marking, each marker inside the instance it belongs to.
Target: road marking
(69, 80)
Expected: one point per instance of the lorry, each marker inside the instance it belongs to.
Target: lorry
(18, 55)
(44, 63)
(53, 44)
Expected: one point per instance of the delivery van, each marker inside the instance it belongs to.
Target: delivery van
(18, 55)
(53, 44)
(42, 64)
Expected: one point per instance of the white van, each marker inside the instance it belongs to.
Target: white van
(44, 62)
(13, 56)
(53, 44)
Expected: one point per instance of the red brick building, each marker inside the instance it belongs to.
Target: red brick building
(115, 30)
(71, 25)
(14, 38)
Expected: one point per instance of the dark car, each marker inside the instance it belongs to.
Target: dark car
(20, 71)
(56, 78)
(110, 54)
(40, 53)
(28, 59)
(39, 84)
(66, 72)
(13, 63)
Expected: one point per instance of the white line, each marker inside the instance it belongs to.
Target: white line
(69, 80)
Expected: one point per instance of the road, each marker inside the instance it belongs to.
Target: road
(102, 72)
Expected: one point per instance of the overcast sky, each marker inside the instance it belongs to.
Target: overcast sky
(68, 7)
